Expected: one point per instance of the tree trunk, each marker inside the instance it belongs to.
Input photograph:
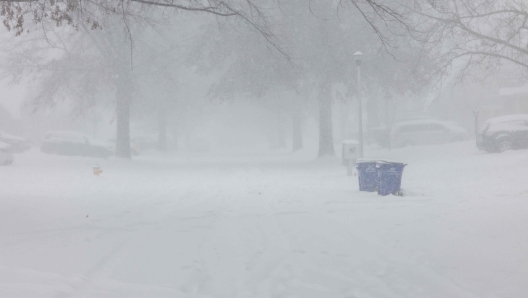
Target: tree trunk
(162, 125)
(326, 138)
(123, 122)
(297, 138)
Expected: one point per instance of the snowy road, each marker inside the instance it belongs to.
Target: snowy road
(274, 226)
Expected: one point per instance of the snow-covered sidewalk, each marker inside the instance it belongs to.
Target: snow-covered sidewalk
(264, 226)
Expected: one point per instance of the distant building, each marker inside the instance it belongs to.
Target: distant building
(514, 100)
(510, 100)
(512, 95)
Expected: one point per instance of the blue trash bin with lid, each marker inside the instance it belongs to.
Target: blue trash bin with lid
(367, 175)
(389, 177)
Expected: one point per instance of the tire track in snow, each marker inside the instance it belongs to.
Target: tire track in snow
(247, 244)
(366, 265)
(150, 214)
(250, 253)
(155, 213)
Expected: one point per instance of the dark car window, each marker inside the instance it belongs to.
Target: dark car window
(405, 129)
(53, 137)
(485, 127)
(74, 138)
(517, 122)
(422, 127)
(436, 126)
(408, 128)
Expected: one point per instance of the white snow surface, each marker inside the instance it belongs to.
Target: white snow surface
(277, 225)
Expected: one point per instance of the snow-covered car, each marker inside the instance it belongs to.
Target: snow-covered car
(74, 143)
(18, 144)
(426, 132)
(504, 133)
(6, 156)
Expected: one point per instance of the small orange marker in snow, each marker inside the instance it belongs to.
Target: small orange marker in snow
(97, 170)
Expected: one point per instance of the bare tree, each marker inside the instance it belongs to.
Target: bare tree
(384, 20)
(321, 41)
(469, 35)
(83, 68)
(44, 16)
(26, 15)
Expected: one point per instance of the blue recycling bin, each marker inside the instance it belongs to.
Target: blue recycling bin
(367, 175)
(389, 177)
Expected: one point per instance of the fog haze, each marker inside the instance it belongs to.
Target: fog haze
(263, 149)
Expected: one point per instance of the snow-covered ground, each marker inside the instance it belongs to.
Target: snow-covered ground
(279, 225)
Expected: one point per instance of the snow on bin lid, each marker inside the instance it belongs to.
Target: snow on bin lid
(362, 160)
(351, 142)
(379, 161)
(390, 162)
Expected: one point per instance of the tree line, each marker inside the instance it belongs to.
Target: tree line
(131, 52)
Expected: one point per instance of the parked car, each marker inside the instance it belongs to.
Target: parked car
(18, 144)
(504, 133)
(425, 132)
(6, 156)
(73, 143)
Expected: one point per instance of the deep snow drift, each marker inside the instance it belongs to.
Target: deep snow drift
(279, 225)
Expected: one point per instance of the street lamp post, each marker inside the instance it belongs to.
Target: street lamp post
(357, 57)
